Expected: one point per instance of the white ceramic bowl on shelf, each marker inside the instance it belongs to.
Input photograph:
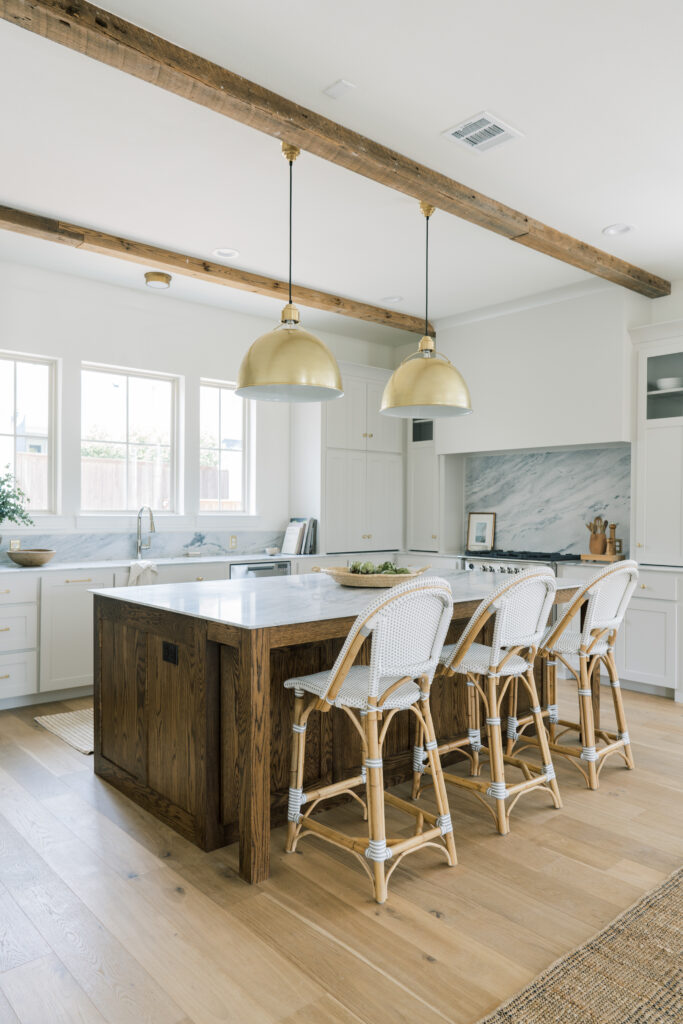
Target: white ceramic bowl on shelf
(272, 551)
(668, 383)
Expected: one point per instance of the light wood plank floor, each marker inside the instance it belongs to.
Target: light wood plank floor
(107, 915)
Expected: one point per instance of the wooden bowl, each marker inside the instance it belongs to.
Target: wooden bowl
(32, 557)
(344, 576)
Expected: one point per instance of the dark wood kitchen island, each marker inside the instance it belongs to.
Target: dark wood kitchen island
(192, 721)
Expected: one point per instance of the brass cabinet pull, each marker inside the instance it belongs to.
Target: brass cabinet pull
(371, 435)
(643, 586)
(199, 579)
(5, 591)
(639, 545)
(433, 536)
(6, 676)
(5, 629)
(79, 581)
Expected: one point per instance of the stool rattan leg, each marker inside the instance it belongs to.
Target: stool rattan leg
(377, 844)
(587, 725)
(548, 768)
(494, 742)
(296, 770)
(619, 714)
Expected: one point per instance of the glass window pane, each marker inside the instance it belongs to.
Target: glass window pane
(149, 476)
(208, 416)
(231, 481)
(103, 406)
(149, 410)
(6, 396)
(33, 398)
(33, 471)
(103, 476)
(232, 413)
(6, 453)
(208, 481)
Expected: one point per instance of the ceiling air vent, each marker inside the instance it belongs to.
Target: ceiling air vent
(482, 131)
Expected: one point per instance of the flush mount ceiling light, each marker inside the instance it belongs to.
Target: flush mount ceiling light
(617, 229)
(426, 384)
(392, 300)
(289, 364)
(226, 254)
(338, 88)
(157, 279)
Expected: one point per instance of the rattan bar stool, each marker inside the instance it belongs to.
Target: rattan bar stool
(521, 608)
(605, 598)
(408, 626)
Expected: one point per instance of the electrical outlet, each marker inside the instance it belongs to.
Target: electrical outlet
(233, 540)
(15, 544)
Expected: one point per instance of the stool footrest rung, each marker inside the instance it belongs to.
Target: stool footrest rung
(405, 805)
(333, 789)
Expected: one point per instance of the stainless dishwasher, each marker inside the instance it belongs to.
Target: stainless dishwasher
(258, 570)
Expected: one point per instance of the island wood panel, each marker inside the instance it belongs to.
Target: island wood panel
(123, 697)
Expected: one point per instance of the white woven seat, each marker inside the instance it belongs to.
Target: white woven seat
(355, 688)
(569, 642)
(406, 627)
(477, 660)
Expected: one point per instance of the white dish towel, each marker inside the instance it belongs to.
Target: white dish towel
(142, 573)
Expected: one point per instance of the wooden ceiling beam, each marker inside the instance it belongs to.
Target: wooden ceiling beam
(98, 34)
(155, 258)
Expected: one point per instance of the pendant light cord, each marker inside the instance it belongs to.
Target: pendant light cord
(426, 275)
(291, 162)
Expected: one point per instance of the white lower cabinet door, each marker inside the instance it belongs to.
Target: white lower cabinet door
(18, 674)
(66, 627)
(648, 650)
(345, 522)
(384, 500)
(423, 498)
(18, 627)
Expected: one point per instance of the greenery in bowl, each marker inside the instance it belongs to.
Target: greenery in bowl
(12, 501)
(385, 568)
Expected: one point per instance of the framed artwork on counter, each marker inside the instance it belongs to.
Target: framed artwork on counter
(481, 531)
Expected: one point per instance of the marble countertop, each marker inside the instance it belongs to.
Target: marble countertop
(286, 600)
(125, 563)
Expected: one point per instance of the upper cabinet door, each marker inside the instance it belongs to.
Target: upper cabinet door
(422, 499)
(659, 535)
(385, 433)
(346, 420)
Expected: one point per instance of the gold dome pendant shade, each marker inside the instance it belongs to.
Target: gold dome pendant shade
(426, 384)
(289, 364)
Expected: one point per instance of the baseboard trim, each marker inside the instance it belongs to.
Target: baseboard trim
(44, 698)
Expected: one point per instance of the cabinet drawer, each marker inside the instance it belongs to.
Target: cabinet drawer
(17, 627)
(18, 675)
(659, 585)
(15, 589)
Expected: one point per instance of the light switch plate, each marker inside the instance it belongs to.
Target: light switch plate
(15, 544)
(233, 540)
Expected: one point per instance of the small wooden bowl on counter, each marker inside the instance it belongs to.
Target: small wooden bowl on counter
(344, 576)
(31, 558)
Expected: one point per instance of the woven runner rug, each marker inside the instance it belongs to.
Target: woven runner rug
(74, 727)
(630, 973)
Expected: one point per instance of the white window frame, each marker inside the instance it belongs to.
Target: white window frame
(175, 459)
(247, 456)
(52, 432)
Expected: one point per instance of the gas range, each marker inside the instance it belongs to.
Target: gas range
(513, 561)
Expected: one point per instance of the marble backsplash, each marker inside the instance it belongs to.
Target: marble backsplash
(543, 499)
(93, 547)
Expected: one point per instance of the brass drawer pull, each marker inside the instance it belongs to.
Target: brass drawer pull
(643, 586)
(5, 591)
(5, 629)
(79, 581)
(6, 676)
(371, 435)
(199, 579)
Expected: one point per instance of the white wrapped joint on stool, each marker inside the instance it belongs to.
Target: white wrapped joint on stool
(407, 627)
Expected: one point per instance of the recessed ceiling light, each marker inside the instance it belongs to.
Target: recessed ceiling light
(226, 254)
(157, 279)
(617, 229)
(391, 300)
(338, 88)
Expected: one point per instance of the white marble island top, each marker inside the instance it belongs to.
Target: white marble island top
(286, 600)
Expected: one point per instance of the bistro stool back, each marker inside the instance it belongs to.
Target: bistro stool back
(521, 608)
(604, 600)
(408, 625)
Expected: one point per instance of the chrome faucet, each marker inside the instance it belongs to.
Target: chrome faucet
(152, 529)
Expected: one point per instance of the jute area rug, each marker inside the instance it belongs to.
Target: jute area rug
(74, 727)
(630, 973)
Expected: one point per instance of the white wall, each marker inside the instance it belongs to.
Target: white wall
(75, 319)
(553, 371)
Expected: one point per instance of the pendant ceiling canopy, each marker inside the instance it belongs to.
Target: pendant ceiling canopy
(289, 364)
(426, 384)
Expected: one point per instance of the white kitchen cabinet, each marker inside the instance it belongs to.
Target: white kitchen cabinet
(192, 573)
(422, 497)
(364, 501)
(18, 627)
(648, 651)
(346, 417)
(385, 433)
(18, 675)
(66, 627)
(383, 501)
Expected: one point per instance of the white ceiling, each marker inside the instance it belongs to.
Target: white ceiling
(594, 87)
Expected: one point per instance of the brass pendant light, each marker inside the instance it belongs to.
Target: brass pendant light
(288, 364)
(426, 384)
